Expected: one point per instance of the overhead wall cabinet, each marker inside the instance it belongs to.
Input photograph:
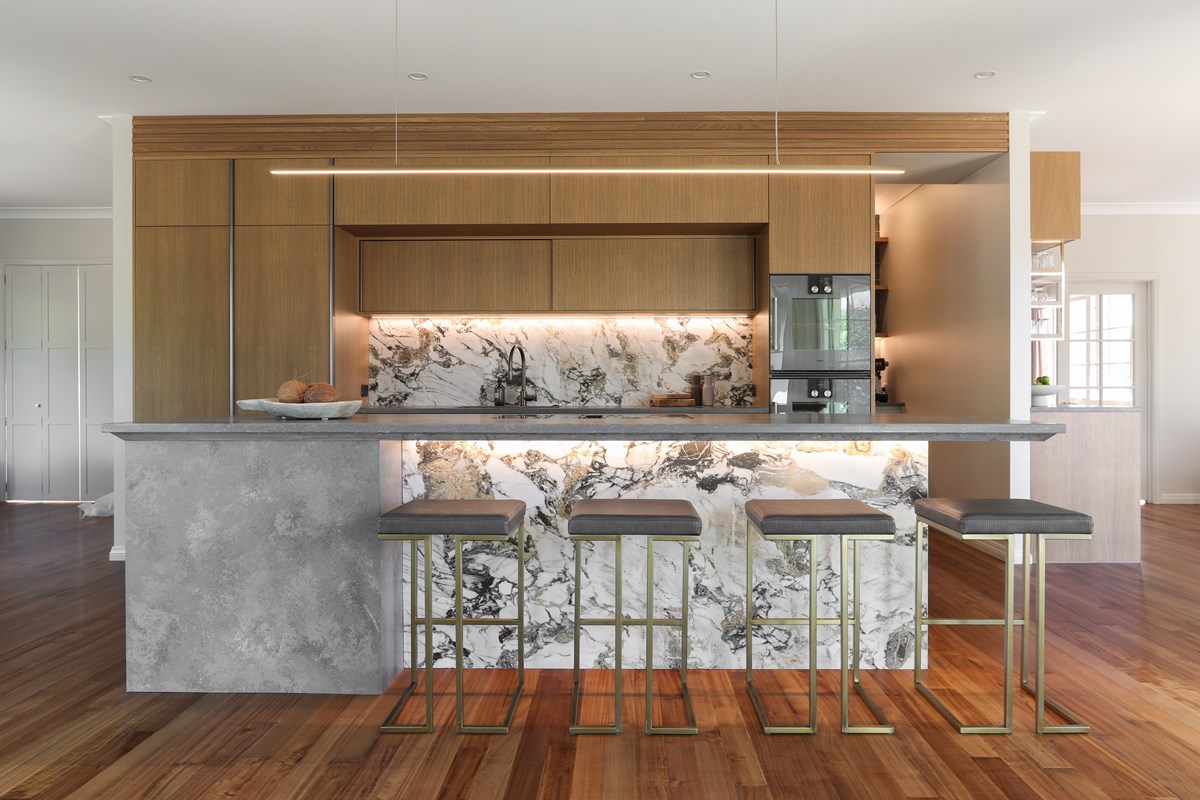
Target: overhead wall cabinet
(702, 275)
(822, 223)
(439, 199)
(618, 199)
(1054, 198)
(468, 276)
(261, 198)
(181, 192)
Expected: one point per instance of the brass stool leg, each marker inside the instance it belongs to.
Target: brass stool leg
(751, 620)
(618, 629)
(884, 726)
(427, 727)
(459, 622)
(1008, 622)
(1039, 690)
(651, 729)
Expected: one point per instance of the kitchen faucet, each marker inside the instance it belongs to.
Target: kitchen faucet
(522, 398)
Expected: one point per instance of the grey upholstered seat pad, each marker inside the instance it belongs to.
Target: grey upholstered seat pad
(634, 517)
(471, 517)
(817, 518)
(1002, 515)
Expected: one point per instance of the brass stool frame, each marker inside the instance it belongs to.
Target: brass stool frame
(458, 621)
(1039, 690)
(619, 621)
(1008, 622)
(844, 620)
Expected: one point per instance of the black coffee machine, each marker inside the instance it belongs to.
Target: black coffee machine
(881, 393)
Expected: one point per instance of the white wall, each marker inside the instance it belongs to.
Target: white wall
(1162, 249)
(53, 239)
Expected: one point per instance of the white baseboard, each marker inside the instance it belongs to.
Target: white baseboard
(1180, 499)
(116, 554)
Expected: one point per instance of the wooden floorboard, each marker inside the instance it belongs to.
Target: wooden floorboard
(1124, 644)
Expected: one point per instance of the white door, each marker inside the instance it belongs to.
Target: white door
(58, 381)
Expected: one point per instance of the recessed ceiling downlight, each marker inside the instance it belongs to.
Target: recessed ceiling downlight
(139, 79)
(418, 76)
(701, 74)
(983, 75)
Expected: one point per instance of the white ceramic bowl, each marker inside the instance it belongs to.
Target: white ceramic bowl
(1043, 395)
(342, 408)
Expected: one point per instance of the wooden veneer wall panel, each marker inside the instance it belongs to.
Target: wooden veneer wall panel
(578, 134)
(180, 322)
(181, 192)
(281, 307)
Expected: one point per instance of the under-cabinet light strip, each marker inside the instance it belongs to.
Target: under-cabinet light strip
(715, 169)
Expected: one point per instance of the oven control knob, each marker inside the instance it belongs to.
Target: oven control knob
(813, 289)
(828, 393)
(828, 290)
(815, 393)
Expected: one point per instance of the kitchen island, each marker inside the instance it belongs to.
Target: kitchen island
(252, 562)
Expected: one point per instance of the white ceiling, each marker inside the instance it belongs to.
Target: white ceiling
(1116, 79)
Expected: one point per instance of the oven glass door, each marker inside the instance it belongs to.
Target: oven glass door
(820, 322)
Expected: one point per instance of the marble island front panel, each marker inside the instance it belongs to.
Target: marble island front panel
(718, 477)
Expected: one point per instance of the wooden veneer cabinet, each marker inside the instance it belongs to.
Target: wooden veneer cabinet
(180, 321)
(1054, 195)
(472, 276)
(440, 199)
(822, 223)
(708, 275)
(629, 199)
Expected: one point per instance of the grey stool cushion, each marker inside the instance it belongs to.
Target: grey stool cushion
(818, 518)
(1001, 515)
(468, 517)
(634, 518)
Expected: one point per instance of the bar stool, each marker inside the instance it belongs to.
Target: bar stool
(611, 521)
(1001, 519)
(852, 522)
(465, 520)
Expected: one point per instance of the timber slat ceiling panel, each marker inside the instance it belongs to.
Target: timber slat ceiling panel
(567, 134)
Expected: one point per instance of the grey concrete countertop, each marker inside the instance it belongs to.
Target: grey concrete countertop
(513, 424)
(1076, 409)
(564, 410)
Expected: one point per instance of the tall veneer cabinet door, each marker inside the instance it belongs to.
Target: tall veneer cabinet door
(181, 192)
(822, 223)
(261, 198)
(480, 276)
(653, 198)
(447, 199)
(180, 322)
(1054, 197)
(280, 307)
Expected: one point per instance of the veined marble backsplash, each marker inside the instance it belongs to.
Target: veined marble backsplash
(718, 478)
(571, 361)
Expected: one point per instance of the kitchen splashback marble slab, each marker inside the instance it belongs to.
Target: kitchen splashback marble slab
(717, 477)
(571, 361)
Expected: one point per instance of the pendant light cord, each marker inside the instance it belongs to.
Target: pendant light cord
(396, 83)
(777, 83)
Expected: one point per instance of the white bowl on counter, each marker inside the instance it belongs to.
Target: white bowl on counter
(337, 410)
(1044, 395)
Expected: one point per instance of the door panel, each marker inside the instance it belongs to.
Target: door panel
(25, 461)
(96, 363)
(24, 383)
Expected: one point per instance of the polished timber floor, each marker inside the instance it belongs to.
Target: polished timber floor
(1125, 654)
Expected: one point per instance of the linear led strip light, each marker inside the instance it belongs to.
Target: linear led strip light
(701, 169)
